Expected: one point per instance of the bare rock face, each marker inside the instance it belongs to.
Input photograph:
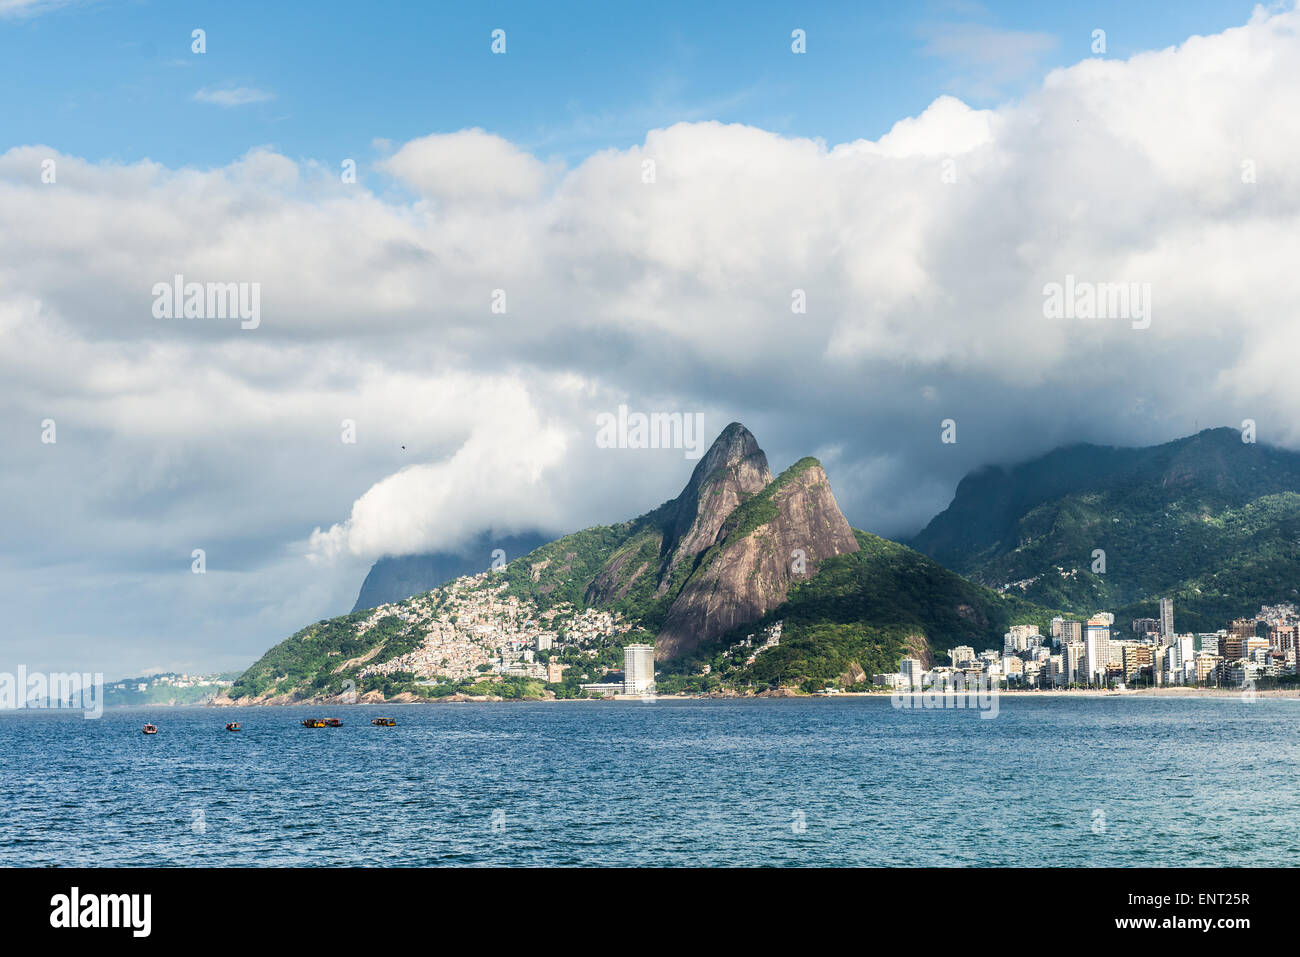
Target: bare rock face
(733, 470)
(799, 526)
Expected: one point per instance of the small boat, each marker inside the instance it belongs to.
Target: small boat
(384, 723)
(151, 729)
(314, 723)
(233, 726)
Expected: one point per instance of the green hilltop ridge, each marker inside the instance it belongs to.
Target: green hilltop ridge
(1209, 520)
(701, 575)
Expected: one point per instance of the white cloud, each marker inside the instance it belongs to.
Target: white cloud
(233, 95)
(493, 480)
(947, 127)
(469, 165)
(30, 8)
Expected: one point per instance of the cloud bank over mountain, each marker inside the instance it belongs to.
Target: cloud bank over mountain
(480, 306)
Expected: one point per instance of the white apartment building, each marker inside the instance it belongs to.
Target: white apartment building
(912, 671)
(638, 669)
(1096, 644)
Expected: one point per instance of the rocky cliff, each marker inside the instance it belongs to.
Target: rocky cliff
(726, 550)
(760, 548)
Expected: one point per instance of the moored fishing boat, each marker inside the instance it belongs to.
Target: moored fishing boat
(314, 723)
(384, 722)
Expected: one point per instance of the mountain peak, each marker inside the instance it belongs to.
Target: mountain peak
(733, 444)
(767, 543)
(733, 470)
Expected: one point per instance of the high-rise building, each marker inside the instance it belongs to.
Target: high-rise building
(1136, 658)
(1056, 668)
(1186, 646)
(912, 670)
(1233, 645)
(1250, 646)
(961, 655)
(1285, 637)
(1243, 627)
(1096, 644)
(1207, 667)
(1071, 631)
(1072, 660)
(1166, 621)
(638, 669)
(1020, 637)
(1116, 648)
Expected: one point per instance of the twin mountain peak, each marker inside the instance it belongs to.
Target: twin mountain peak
(729, 547)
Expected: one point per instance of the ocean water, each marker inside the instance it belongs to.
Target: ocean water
(1050, 781)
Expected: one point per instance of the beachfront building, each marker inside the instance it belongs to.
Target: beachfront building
(1137, 658)
(1072, 657)
(1208, 667)
(913, 672)
(1056, 671)
(638, 669)
(1096, 644)
(606, 689)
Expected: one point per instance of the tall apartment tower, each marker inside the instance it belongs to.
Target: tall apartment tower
(1072, 662)
(1166, 621)
(1233, 646)
(913, 673)
(1096, 644)
(1071, 631)
(638, 669)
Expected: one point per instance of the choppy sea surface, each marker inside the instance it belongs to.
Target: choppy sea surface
(1050, 781)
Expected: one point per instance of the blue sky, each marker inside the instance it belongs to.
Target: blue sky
(117, 80)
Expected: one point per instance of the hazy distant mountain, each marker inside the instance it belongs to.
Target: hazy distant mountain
(1208, 519)
(392, 579)
(736, 551)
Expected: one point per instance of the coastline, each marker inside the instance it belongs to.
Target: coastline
(372, 699)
